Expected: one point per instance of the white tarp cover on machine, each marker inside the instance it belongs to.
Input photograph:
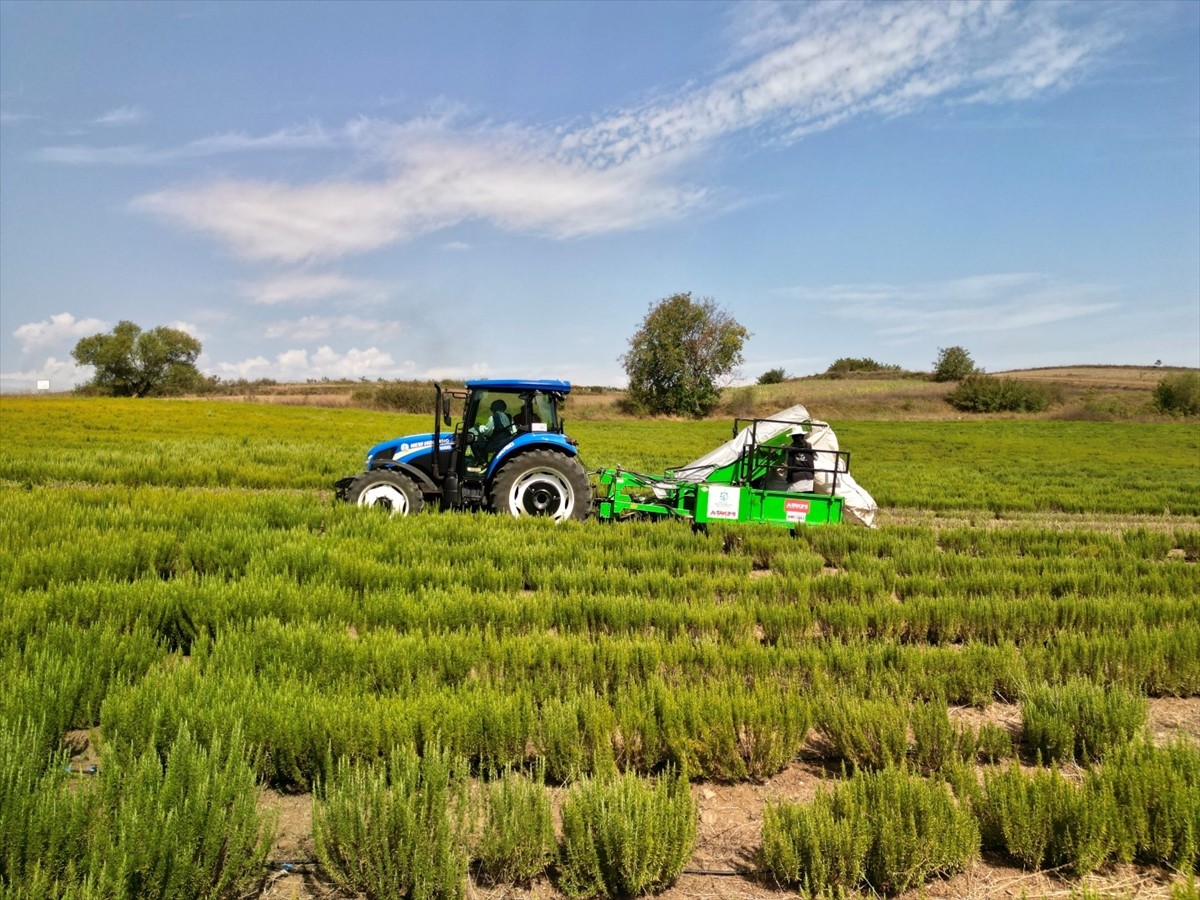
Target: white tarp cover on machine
(858, 506)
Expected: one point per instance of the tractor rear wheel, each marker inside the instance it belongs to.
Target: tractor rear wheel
(393, 492)
(542, 483)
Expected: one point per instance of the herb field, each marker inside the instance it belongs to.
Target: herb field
(179, 586)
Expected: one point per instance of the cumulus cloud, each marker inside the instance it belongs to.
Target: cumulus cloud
(188, 328)
(798, 69)
(62, 375)
(306, 287)
(56, 331)
(325, 362)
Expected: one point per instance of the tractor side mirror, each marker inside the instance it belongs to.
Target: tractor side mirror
(446, 410)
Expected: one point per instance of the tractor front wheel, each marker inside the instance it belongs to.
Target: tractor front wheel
(392, 492)
(543, 483)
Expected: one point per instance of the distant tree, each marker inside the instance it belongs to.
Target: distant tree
(952, 364)
(130, 362)
(772, 376)
(847, 364)
(680, 353)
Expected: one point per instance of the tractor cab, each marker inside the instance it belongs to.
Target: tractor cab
(498, 418)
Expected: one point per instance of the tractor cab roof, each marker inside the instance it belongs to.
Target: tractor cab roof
(548, 385)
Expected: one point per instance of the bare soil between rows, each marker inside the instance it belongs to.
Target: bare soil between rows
(729, 834)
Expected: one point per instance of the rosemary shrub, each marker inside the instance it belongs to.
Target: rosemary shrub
(396, 830)
(1080, 720)
(626, 836)
(516, 843)
(889, 831)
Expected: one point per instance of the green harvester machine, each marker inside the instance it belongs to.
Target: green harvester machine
(784, 471)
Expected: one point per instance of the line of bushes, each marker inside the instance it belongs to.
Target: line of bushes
(981, 393)
(410, 829)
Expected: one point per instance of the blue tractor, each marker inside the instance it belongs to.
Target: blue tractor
(508, 454)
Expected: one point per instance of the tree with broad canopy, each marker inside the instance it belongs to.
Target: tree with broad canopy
(130, 362)
(678, 356)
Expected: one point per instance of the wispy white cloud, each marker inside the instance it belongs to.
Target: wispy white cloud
(798, 69)
(813, 66)
(7, 117)
(442, 176)
(125, 115)
(307, 287)
(56, 331)
(455, 246)
(960, 307)
(301, 137)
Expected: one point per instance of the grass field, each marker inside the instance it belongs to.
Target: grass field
(187, 608)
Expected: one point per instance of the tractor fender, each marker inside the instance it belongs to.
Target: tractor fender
(532, 441)
(421, 478)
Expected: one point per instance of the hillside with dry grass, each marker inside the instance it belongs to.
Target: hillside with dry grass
(1086, 393)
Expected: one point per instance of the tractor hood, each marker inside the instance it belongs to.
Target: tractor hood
(409, 447)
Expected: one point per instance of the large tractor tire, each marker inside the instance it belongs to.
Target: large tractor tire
(542, 483)
(393, 492)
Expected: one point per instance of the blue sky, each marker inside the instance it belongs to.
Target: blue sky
(423, 190)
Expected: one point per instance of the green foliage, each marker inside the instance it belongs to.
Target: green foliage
(1142, 805)
(397, 830)
(679, 354)
(130, 362)
(993, 742)
(987, 393)
(1080, 721)
(848, 365)
(728, 734)
(516, 843)
(820, 847)
(773, 376)
(186, 825)
(626, 836)
(1178, 394)
(166, 574)
(888, 830)
(952, 364)
(1044, 820)
(869, 734)
(1157, 792)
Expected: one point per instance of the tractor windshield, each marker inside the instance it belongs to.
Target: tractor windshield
(489, 403)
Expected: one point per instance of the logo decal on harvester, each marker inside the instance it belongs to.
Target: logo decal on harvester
(724, 502)
(795, 510)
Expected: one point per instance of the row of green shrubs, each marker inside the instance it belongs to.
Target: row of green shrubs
(411, 829)
(1175, 395)
(411, 825)
(184, 824)
(890, 831)
(1078, 721)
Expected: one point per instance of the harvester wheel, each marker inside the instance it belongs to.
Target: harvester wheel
(542, 483)
(393, 492)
